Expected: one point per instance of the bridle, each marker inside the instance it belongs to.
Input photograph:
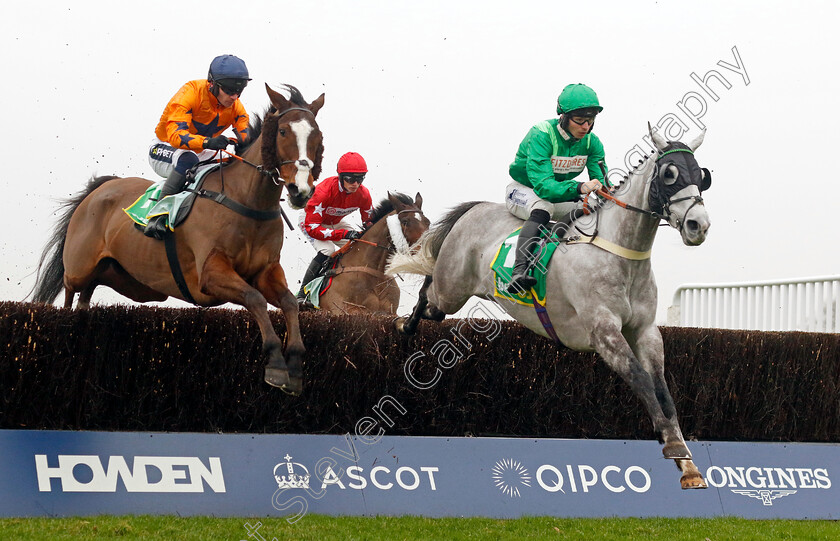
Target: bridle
(391, 246)
(666, 213)
(273, 173)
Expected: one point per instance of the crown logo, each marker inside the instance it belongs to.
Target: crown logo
(291, 474)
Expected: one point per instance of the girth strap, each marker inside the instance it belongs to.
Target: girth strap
(175, 266)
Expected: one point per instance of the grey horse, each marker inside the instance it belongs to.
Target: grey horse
(601, 293)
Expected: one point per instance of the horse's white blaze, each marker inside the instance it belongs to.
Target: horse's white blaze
(302, 130)
(396, 232)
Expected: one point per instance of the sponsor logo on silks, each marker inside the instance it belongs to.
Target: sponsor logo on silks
(86, 473)
(291, 474)
(163, 151)
(565, 164)
(767, 484)
(511, 477)
(332, 211)
(295, 475)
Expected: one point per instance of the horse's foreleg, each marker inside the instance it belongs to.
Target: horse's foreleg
(651, 352)
(616, 352)
(409, 326)
(219, 280)
(273, 285)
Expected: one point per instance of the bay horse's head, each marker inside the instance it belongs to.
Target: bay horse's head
(294, 143)
(404, 219)
(676, 186)
(408, 219)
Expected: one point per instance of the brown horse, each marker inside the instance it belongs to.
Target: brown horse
(359, 283)
(225, 254)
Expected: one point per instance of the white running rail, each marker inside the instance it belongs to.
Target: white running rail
(804, 304)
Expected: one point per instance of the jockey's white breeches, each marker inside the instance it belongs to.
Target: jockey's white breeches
(163, 156)
(326, 247)
(521, 200)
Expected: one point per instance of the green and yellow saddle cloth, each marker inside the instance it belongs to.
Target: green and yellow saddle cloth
(149, 205)
(502, 267)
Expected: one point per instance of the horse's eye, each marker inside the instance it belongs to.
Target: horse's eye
(670, 174)
(282, 132)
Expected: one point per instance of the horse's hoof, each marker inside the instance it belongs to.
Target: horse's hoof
(692, 480)
(277, 377)
(399, 324)
(676, 451)
(294, 387)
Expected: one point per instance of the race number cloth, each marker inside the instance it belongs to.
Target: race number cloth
(502, 267)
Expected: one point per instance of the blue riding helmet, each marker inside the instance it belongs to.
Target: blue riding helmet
(228, 66)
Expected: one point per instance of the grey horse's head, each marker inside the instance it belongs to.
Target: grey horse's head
(676, 187)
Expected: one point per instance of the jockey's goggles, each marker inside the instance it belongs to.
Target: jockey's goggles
(353, 178)
(232, 86)
(581, 120)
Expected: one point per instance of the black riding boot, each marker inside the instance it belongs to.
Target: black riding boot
(521, 282)
(312, 272)
(156, 227)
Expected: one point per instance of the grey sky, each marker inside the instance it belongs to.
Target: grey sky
(437, 95)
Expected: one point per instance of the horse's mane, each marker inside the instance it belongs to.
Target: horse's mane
(385, 206)
(255, 127)
(436, 235)
(268, 122)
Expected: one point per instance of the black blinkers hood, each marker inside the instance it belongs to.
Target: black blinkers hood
(680, 156)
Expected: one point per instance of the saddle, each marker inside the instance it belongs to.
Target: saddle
(178, 205)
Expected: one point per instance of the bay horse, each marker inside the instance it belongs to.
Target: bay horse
(225, 254)
(359, 283)
(601, 295)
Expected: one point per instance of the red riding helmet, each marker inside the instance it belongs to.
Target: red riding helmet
(351, 163)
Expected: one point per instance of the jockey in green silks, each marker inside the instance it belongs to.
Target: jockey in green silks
(550, 157)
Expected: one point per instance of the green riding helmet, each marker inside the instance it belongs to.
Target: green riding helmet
(578, 96)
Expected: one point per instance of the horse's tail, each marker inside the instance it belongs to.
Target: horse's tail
(50, 274)
(422, 261)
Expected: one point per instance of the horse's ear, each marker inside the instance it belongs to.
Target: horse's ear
(418, 200)
(277, 100)
(395, 202)
(657, 138)
(316, 105)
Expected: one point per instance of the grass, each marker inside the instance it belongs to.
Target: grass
(319, 527)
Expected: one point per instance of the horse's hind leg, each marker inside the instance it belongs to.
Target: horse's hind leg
(274, 287)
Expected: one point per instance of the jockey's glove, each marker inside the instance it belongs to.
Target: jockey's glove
(352, 235)
(220, 142)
